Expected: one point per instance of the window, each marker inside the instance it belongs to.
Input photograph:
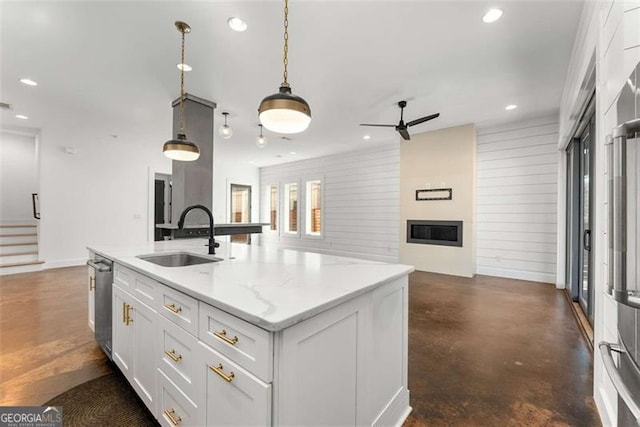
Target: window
(291, 205)
(313, 208)
(272, 194)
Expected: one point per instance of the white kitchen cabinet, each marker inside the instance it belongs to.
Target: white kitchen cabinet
(91, 295)
(234, 397)
(134, 344)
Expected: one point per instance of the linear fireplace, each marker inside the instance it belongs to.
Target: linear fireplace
(445, 233)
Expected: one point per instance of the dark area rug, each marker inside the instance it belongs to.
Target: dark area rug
(104, 401)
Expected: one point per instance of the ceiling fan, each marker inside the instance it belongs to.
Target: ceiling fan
(402, 127)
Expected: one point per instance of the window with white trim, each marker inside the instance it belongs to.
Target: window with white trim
(272, 196)
(313, 211)
(291, 207)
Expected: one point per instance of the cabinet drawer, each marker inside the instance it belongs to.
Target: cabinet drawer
(136, 284)
(233, 396)
(177, 358)
(174, 408)
(245, 344)
(179, 308)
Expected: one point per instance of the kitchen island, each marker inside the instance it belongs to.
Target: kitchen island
(262, 337)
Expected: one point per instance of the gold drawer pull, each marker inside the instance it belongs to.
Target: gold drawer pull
(173, 308)
(124, 312)
(172, 354)
(218, 370)
(169, 413)
(223, 336)
(92, 283)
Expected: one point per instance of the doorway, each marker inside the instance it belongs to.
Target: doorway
(580, 212)
(241, 210)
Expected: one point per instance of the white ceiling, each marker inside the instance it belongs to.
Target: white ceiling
(110, 67)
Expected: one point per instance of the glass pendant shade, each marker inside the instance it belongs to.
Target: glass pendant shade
(261, 140)
(225, 131)
(181, 149)
(284, 112)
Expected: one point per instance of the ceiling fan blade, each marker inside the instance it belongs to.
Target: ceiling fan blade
(383, 126)
(405, 134)
(423, 119)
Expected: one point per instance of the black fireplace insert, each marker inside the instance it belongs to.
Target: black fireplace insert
(444, 233)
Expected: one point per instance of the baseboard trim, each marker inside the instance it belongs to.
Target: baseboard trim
(48, 265)
(518, 274)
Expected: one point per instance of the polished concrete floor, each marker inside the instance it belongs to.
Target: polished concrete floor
(496, 352)
(482, 351)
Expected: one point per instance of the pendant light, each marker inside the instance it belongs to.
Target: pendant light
(225, 131)
(284, 112)
(261, 141)
(181, 148)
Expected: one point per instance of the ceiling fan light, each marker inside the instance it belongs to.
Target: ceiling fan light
(284, 112)
(181, 149)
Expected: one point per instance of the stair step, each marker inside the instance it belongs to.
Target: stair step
(19, 253)
(18, 235)
(17, 225)
(17, 264)
(18, 244)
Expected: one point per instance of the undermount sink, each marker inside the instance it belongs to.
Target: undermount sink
(179, 259)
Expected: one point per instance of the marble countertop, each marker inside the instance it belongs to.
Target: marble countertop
(271, 288)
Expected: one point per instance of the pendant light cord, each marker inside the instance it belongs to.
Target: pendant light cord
(182, 85)
(285, 60)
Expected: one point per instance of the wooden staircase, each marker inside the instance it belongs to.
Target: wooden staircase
(19, 249)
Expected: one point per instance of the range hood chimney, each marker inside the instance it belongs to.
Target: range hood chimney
(192, 182)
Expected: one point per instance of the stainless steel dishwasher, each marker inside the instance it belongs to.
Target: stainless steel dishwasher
(104, 282)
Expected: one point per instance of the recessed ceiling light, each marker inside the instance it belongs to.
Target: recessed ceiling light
(185, 67)
(21, 117)
(237, 24)
(28, 82)
(293, 153)
(251, 162)
(367, 137)
(492, 16)
(511, 107)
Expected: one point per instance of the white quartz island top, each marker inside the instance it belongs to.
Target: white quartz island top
(271, 288)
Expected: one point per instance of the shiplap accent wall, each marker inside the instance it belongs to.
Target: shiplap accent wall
(361, 203)
(516, 211)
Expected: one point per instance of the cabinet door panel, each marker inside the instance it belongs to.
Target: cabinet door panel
(320, 368)
(243, 401)
(174, 406)
(122, 351)
(145, 321)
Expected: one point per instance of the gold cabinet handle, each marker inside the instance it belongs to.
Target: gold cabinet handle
(124, 312)
(173, 308)
(92, 283)
(223, 336)
(218, 370)
(170, 414)
(173, 356)
(129, 319)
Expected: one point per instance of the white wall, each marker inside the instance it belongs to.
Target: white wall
(99, 195)
(444, 158)
(361, 204)
(610, 33)
(517, 190)
(18, 176)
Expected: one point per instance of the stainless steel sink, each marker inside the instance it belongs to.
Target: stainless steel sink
(178, 259)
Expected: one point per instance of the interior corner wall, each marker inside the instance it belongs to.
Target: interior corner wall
(361, 206)
(517, 191)
(441, 159)
(18, 176)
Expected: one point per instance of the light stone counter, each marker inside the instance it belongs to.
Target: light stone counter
(271, 288)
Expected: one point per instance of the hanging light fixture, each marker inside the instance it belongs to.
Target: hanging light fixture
(261, 141)
(284, 112)
(225, 131)
(181, 148)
